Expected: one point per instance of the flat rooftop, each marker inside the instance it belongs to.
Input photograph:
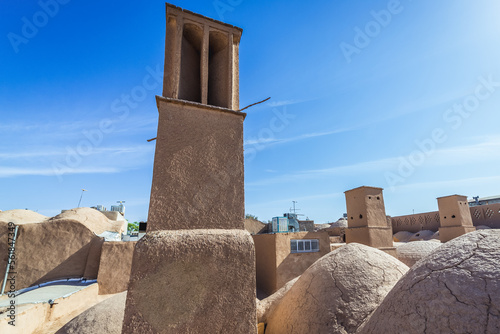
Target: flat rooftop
(43, 294)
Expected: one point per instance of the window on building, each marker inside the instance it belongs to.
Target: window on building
(304, 245)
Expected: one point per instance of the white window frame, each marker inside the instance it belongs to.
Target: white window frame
(304, 246)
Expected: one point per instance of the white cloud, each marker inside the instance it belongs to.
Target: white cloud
(473, 181)
(485, 152)
(284, 103)
(61, 153)
(19, 171)
(357, 168)
(58, 162)
(270, 141)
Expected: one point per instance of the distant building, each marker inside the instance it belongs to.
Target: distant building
(290, 223)
(484, 200)
(120, 207)
(281, 257)
(117, 212)
(280, 225)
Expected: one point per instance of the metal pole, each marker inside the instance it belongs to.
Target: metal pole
(80, 201)
(8, 261)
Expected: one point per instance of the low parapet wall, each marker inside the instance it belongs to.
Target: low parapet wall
(416, 222)
(115, 266)
(488, 215)
(50, 250)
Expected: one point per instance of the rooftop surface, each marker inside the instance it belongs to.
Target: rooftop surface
(43, 294)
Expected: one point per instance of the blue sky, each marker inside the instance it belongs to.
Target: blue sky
(402, 95)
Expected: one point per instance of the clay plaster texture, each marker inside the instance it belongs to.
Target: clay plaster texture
(64, 246)
(94, 220)
(488, 215)
(201, 59)
(416, 222)
(455, 289)
(105, 317)
(367, 221)
(265, 257)
(115, 266)
(268, 305)
(53, 249)
(365, 207)
(402, 236)
(422, 235)
(337, 292)
(198, 174)
(454, 216)
(254, 226)
(192, 281)
(336, 230)
(194, 271)
(19, 216)
(275, 263)
(410, 253)
(483, 227)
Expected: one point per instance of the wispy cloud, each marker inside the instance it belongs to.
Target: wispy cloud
(271, 141)
(54, 162)
(69, 129)
(382, 164)
(33, 154)
(447, 157)
(15, 171)
(25, 127)
(284, 103)
(51, 153)
(473, 181)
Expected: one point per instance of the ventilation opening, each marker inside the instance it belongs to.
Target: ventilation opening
(218, 70)
(360, 216)
(453, 216)
(190, 80)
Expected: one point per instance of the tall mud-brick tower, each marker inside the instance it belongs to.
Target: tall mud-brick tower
(198, 168)
(194, 270)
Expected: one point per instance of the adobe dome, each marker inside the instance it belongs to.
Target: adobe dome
(454, 290)
(409, 253)
(19, 216)
(103, 318)
(422, 235)
(337, 292)
(402, 236)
